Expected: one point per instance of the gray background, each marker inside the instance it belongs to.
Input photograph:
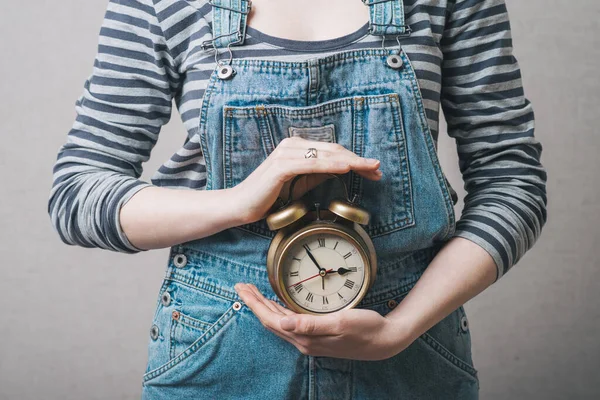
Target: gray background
(74, 322)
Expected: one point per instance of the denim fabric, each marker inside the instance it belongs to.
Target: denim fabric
(213, 351)
(206, 342)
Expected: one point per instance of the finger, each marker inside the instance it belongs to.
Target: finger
(311, 325)
(250, 297)
(263, 299)
(289, 168)
(284, 310)
(324, 149)
(268, 317)
(284, 337)
(373, 175)
(333, 153)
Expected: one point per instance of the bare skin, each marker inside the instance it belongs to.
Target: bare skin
(287, 19)
(160, 217)
(157, 217)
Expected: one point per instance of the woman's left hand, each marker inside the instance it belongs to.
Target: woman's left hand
(356, 334)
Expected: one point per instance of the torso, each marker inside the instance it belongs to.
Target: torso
(277, 32)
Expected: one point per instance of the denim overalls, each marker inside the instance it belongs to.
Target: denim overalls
(204, 341)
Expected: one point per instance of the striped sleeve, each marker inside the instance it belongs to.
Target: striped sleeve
(125, 101)
(493, 124)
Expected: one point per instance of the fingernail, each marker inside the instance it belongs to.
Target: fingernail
(372, 160)
(287, 323)
(238, 286)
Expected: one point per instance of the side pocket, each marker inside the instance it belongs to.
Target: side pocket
(188, 318)
(451, 340)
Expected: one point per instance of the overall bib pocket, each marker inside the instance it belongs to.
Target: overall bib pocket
(368, 125)
(189, 319)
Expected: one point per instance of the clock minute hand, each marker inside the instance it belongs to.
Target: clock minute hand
(312, 257)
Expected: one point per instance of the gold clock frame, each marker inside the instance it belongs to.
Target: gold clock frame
(291, 234)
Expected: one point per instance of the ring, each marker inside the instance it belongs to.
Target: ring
(311, 153)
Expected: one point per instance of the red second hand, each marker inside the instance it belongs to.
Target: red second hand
(314, 276)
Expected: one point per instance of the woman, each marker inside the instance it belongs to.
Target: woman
(256, 88)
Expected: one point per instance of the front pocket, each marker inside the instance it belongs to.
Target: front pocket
(368, 125)
(194, 318)
(451, 342)
(448, 340)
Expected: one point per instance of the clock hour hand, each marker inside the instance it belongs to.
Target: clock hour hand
(342, 270)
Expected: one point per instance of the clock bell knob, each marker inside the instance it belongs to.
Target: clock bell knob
(287, 215)
(349, 211)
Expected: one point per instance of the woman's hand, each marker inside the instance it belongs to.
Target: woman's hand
(356, 334)
(272, 177)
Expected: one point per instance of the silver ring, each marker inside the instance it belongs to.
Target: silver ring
(311, 153)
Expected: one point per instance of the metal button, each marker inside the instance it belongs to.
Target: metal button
(180, 260)
(464, 323)
(154, 332)
(392, 303)
(175, 314)
(394, 61)
(166, 299)
(237, 305)
(225, 72)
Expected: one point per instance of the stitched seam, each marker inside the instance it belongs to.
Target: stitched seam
(217, 327)
(204, 287)
(447, 355)
(192, 322)
(416, 92)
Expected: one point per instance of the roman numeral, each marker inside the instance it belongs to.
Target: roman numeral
(341, 297)
(322, 242)
(336, 243)
(297, 259)
(349, 284)
(294, 273)
(325, 301)
(348, 254)
(310, 297)
(298, 288)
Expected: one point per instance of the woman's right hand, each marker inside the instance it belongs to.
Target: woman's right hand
(259, 191)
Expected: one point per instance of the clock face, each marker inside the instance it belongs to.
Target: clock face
(323, 272)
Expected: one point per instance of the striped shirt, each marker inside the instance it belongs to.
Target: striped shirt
(149, 53)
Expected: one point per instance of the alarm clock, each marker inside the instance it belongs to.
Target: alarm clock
(321, 260)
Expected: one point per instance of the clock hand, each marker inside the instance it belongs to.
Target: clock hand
(312, 257)
(342, 270)
(304, 280)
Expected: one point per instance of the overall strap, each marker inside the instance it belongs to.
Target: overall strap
(228, 22)
(387, 17)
